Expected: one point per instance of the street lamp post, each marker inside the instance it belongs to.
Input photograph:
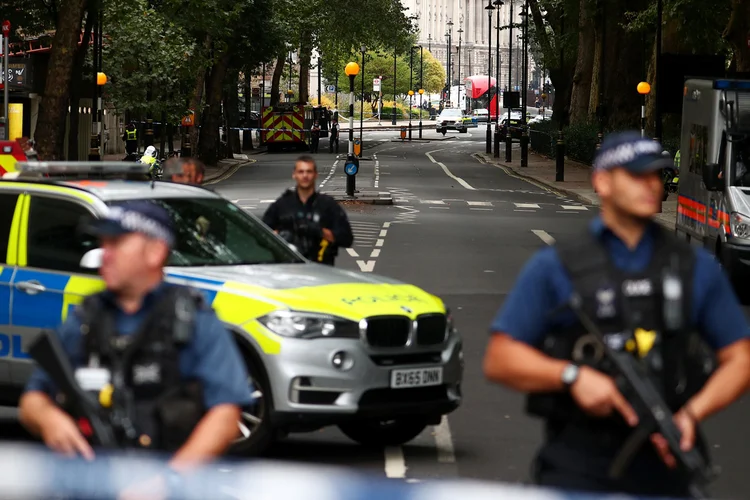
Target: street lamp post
(421, 91)
(450, 34)
(496, 154)
(643, 88)
(460, 36)
(524, 89)
(352, 162)
(411, 83)
(411, 93)
(509, 132)
(363, 49)
(393, 108)
(489, 10)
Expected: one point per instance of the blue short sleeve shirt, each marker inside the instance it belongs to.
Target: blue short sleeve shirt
(211, 357)
(543, 285)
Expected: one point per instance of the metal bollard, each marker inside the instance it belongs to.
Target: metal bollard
(497, 143)
(560, 158)
(509, 145)
(525, 148)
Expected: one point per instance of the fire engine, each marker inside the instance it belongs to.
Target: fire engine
(288, 125)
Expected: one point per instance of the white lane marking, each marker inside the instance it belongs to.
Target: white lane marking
(544, 236)
(267, 201)
(483, 209)
(386, 224)
(448, 172)
(527, 205)
(330, 174)
(480, 203)
(383, 232)
(366, 267)
(377, 172)
(573, 207)
(444, 442)
(375, 253)
(379, 243)
(433, 202)
(395, 466)
(441, 208)
(352, 252)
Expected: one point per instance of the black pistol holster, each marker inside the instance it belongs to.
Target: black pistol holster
(151, 406)
(647, 314)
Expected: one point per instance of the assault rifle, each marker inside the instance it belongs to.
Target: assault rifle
(654, 416)
(47, 350)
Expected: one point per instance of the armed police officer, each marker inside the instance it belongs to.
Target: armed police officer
(181, 369)
(631, 276)
(311, 221)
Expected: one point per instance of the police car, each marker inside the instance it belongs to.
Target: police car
(324, 346)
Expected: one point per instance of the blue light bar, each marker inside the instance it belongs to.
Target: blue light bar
(732, 84)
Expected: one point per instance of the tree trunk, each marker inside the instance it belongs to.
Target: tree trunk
(75, 89)
(737, 34)
(50, 129)
(209, 133)
(278, 70)
(247, 135)
(196, 102)
(305, 55)
(581, 90)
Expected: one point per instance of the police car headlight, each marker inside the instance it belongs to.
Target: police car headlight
(740, 225)
(307, 325)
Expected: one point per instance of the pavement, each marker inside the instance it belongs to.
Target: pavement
(460, 226)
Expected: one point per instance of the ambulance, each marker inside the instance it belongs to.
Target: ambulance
(713, 207)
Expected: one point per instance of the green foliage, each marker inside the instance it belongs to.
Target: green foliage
(147, 50)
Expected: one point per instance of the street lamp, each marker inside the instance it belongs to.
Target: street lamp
(411, 93)
(421, 91)
(352, 163)
(450, 34)
(363, 49)
(393, 108)
(489, 10)
(496, 154)
(643, 88)
(460, 34)
(524, 89)
(509, 134)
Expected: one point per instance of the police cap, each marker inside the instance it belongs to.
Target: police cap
(632, 152)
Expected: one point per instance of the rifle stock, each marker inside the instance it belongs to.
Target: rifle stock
(48, 352)
(652, 410)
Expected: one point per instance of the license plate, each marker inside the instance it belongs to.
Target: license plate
(416, 377)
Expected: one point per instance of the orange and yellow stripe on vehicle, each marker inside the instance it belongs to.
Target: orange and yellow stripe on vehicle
(697, 211)
(10, 154)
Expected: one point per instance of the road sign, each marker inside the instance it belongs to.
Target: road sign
(351, 168)
(376, 84)
(357, 147)
(6, 29)
(331, 88)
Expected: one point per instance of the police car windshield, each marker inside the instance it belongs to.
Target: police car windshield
(215, 232)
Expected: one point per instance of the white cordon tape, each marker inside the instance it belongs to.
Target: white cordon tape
(30, 472)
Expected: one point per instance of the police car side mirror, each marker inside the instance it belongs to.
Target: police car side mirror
(92, 259)
(711, 179)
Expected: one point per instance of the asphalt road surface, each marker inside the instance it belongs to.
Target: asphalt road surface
(460, 229)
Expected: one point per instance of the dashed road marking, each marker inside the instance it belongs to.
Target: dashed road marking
(544, 236)
(395, 465)
(527, 205)
(444, 442)
(574, 207)
(479, 203)
(433, 202)
(330, 174)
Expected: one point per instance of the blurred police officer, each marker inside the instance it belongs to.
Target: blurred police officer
(617, 266)
(185, 171)
(312, 221)
(139, 306)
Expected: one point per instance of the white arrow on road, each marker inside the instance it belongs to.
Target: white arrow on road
(366, 266)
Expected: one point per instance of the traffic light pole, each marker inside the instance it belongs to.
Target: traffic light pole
(350, 179)
(6, 96)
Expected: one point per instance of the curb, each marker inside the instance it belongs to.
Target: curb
(228, 172)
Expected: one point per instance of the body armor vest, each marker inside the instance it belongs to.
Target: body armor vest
(646, 313)
(151, 405)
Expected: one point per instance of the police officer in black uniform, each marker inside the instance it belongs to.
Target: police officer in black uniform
(131, 138)
(311, 221)
(154, 352)
(649, 293)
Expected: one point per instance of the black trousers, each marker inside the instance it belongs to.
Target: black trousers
(314, 141)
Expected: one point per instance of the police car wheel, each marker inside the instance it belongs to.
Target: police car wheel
(255, 432)
(384, 432)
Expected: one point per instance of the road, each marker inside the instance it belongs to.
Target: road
(460, 229)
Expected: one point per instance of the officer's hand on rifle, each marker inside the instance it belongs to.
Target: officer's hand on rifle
(686, 423)
(60, 433)
(598, 395)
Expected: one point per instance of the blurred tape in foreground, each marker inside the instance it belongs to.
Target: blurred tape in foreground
(29, 472)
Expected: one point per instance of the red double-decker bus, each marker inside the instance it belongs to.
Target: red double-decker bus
(479, 96)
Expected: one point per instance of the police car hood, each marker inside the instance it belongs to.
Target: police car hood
(311, 287)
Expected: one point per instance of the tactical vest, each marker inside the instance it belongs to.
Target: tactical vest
(646, 313)
(131, 134)
(151, 406)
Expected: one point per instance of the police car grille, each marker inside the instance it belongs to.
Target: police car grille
(387, 331)
(431, 329)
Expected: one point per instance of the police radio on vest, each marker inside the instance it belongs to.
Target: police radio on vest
(637, 288)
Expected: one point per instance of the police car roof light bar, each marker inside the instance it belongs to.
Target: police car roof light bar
(95, 169)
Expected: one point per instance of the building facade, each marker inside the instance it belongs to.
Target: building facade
(431, 20)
